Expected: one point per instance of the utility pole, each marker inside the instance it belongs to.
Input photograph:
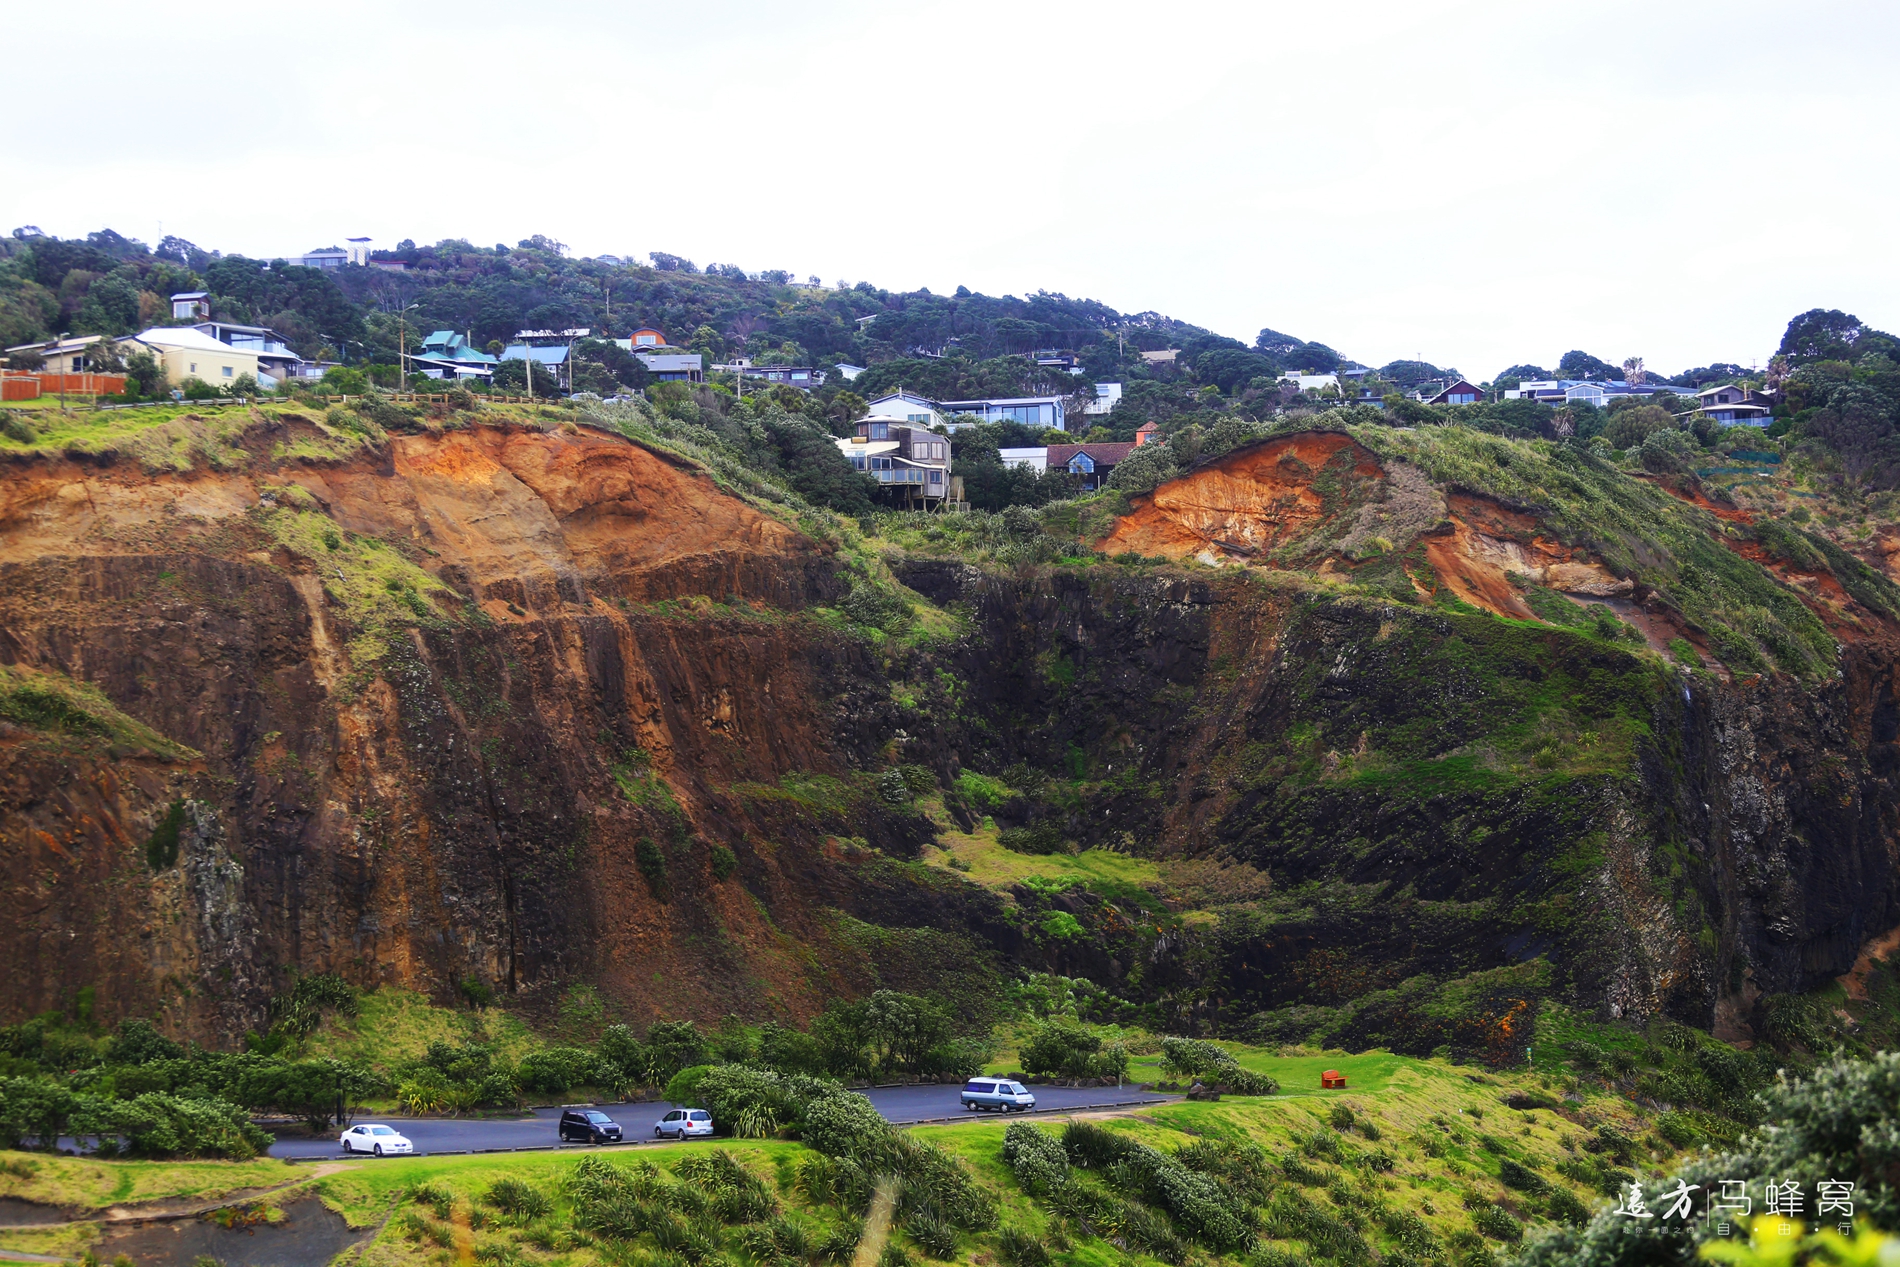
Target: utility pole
(402, 347)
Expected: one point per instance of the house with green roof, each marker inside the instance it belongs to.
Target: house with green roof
(446, 354)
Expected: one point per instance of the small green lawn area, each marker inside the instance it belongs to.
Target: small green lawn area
(80, 1182)
(995, 867)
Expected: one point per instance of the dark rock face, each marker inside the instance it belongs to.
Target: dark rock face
(1441, 795)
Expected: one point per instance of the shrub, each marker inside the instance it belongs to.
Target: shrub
(723, 862)
(161, 848)
(1521, 1177)
(1038, 1158)
(517, 1200)
(652, 864)
(1188, 1057)
(1021, 1249)
(1497, 1223)
(1564, 1207)
(845, 1125)
(1036, 839)
(1062, 1048)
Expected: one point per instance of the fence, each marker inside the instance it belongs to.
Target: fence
(32, 386)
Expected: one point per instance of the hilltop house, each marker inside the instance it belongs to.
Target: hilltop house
(1557, 391)
(1092, 463)
(1107, 396)
(645, 337)
(187, 304)
(328, 258)
(910, 459)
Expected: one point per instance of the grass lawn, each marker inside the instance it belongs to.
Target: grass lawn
(83, 1183)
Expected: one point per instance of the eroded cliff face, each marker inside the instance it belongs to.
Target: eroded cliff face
(490, 704)
(442, 692)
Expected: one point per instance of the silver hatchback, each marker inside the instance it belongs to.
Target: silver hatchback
(997, 1093)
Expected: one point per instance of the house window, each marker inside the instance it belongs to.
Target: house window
(880, 431)
(1081, 464)
(227, 371)
(194, 367)
(917, 419)
(936, 477)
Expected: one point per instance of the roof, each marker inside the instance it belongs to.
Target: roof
(59, 345)
(659, 361)
(547, 356)
(1105, 454)
(859, 445)
(190, 294)
(911, 398)
(189, 337)
(1007, 400)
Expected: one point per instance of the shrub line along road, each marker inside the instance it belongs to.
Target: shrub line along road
(902, 1106)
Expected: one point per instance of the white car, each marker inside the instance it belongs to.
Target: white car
(374, 1137)
(683, 1124)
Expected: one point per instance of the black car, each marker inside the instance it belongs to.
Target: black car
(589, 1126)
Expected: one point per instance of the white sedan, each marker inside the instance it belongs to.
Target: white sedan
(374, 1137)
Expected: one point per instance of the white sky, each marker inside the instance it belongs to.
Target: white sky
(1474, 182)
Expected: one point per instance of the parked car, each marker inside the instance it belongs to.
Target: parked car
(589, 1126)
(997, 1093)
(374, 1137)
(683, 1124)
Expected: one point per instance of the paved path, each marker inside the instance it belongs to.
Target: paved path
(902, 1105)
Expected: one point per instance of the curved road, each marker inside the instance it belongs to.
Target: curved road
(901, 1105)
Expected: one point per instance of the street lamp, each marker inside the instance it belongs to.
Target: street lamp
(402, 347)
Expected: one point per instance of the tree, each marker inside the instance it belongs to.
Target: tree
(1409, 374)
(1315, 358)
(1857, 423)
(1582, 365)
(1273, 343)
(1231, 369)
(1628, 428)
(1821, 334)
(1633, 372)
(672, 1046)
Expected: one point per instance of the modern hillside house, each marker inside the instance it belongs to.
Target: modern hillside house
(1031, 411)
(274, 356)
(909, 460)
(1735, 405)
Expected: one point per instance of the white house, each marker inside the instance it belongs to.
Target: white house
(850, 372)
(1311, 382)
(905, 407)
(358, 250)
(188, 352)
(1036, 459)
(1107, 396)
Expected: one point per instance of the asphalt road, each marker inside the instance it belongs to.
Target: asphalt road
(902, 1105)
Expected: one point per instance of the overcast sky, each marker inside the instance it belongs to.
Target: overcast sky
(1474, 183)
